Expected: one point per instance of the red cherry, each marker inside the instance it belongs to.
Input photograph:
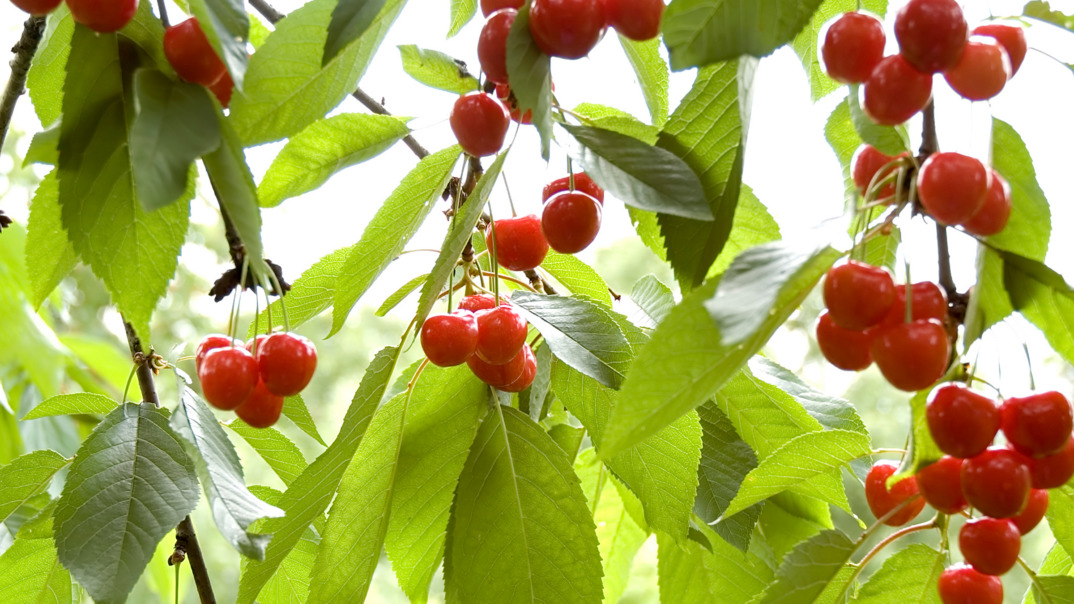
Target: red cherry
(952, 186)
(570, 221)
(262, 409)
(912, 356)
(845, 348)
(1039, 424)
(635, 19)
(222, 89)
(228, 376)
(881, 500)
(961, 421)
(254, 344)
(503, 92)
(940, 484)
(449, 340)
(981, 72)
(190, 54)
(490, 6)
(1034, 512)
(931, 33)
(286, 362)
(996, 210)
(895, 91)
(960, 584)
(492, 44)
(567, 28)
(582, 182)
(1053, 471)
(997, 482)
(1012, 37)
(529, 371)
(927, 301)
(519, 244)
(208, 343)
(499, 376)
(990, 545)
(853, 45)
(103, 16)
(501, 333)
(858, 295)
(867, 161)
(37, 8)
(480, 123)
(479, 302)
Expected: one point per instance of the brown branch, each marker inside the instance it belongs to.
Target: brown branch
(24, 51)
(163, 10)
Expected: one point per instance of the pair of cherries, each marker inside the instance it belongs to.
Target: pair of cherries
(489, 337)
(101, 17)
(192, 57)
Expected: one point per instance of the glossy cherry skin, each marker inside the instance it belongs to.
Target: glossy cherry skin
(582, 182)
(852, 46)
(895, 91)
(927, 301)
(37, 8)
(1012, 37)
(570, 221)
(222, 89)
(501, 333)
(490, 6)
(208, 343)
(449, 340)
(499, 376)
(952, 187)
(638, 20)
(940, 484)
(912, 356)
(567, 28)
(858, 295)
(492, 44)
(529, 371)
(995, 212)
(866, 163)
(990, 545)
(960, 584)
(286, 362)
(962, 422)
(190, 54)
(479, 122)
(103, 16)
(997, 482)
(1039, 424)
(1036, 507)
(981, 72)
(503, 92)
(255, 343)
(931, 34)
(262, 409)
(881, 500)
(478, 302)
(228, 376)
(847, 349)
(519, 243)
(1053, 471)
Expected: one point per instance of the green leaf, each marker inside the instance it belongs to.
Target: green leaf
(228, 29)
(521, 529)
(235, 189)
(1043, 297)
(577, 276)
(789, 519)
(278, 451)
(44, 148)
(610, 118)
(49, 67)
(461, 13)
(807, 42)
(908, 576)
(1061, 516)
(1029, 227)
(390, 229)
(30, 573)
(437, 70)
(691, 574)
(291, 583)
(700, 32)
(809, 568)
(325, 147)
(350, 20)
(883, 250)
(832, 412)
(653, 299)
(400, 294)
(726, 459)
(580, 333)
(310, 294)
(72, 404)
(287, 87)
(891, 140)
(294, 409)
(922, 449)
(989, 302)
(843, 138)
(642, 176)
(25, 477)
(652, 72)
(1054, 589)
(764, 415)
(174, 124)
(132, 476)
(1040, 9)
(751, 226)
(529, 70)
(49, 254)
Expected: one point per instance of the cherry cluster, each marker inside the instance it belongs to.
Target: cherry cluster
(103, 16)
(193, 58)
(933, 38)
(253, 380)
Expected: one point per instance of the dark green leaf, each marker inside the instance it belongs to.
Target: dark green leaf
(652, 72)
(70, 404)
(282, 455)
(888, 139)
(25, 477)
(350, 20)
(653, 298)
(461, 13)
(437, 70)
(228, 29)
(49, 254)
(691, 574)
(30, 573)
(529, 70)
(725, 461)
(1030, 226)
(235, 189)
(809, 568)
(908, 576)
(807, 42)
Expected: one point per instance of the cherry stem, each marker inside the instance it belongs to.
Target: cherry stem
(885, 542)
(512, 280)
(414, 380)
(883, 451)
(892, 538)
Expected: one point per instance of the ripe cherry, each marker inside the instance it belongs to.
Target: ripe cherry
(1039, 424)
(190, 54)
(255, 343)
(931, 34)
(853, 45)
(37, 8)
(1053, 471)
(1034, 512)
(501, 333)
(912, 356)
(567, 28)
(635, 19)
(492, 44)
(490, 6)
(450, 339)
(518, 243)
(927, 301)
(881, 500)
(570, 221)
(997, 482)
(940, 484)
(499, 376)
(981, 72)
(867, 162)
(103, 16)
(952, 186)
(990, 545)
(262, 409)
(961, 421)
(529, 371)
(994, 213)
(503, 92)
(582, 182)
(895, 91)
(847, 349)
(228, 376)
(960, 584)
(480, 123)
(208, 343)
(222, 89)
(478, 302)
(1012, 37)
(858, 295)
(286, 362)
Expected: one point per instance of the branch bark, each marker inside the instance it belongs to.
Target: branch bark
(24, 50)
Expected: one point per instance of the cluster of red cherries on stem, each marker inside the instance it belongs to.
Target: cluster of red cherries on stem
(253, 380)
(933, 38)
(102, 16)
(1008, 485)
(193, 58)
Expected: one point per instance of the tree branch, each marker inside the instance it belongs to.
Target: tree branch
(24, 51)
(163, 10)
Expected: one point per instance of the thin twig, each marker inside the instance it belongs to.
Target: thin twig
(24, 51)
(163, 10)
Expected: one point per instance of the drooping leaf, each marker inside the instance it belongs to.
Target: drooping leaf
(25, 477)
(652, 72)
(1029, 228)
(908, 576)
(30, 573)
(888, 139)
(70, 404)
(577, 276)
(49, 254)
(807, 43)
(282, 455)
(401, 294)
(235, 189)
(310, 294)
(227, 27)
(44, 148)
(1054, 589)
(48, 69)
(1061, 515)
(610, 118)
(922, 449)
(989, 302)
(726, 459)
(294, 409)
(789, 519)
(691, 574)
(1042, 296)
(529, 70)
(752, 226)
(461, 13)
(832, 412)
(809, 568)
(437, 70)
(350, 20)
(653, 299)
